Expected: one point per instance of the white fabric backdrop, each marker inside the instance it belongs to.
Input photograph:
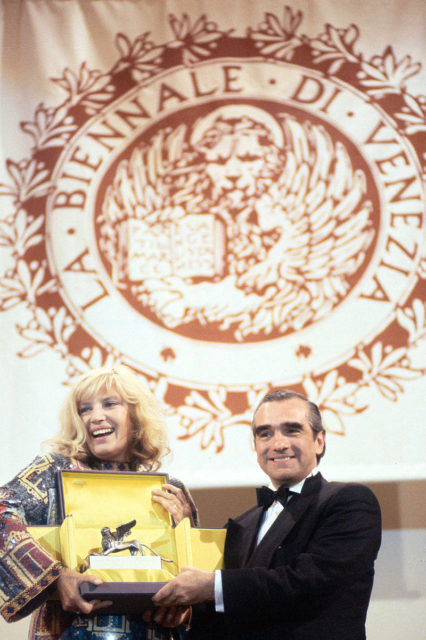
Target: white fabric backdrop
(324, 81)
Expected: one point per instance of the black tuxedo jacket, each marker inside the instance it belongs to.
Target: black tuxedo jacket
(311, 576)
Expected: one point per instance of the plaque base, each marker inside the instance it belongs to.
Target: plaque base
(126, 597)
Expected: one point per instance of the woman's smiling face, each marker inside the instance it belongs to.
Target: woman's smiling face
(106, 418)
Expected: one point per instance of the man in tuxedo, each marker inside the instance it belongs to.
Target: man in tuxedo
(300, 564)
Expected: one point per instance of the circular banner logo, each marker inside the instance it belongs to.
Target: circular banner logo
(240, 215)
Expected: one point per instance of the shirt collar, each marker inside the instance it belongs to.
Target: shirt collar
(297, 488)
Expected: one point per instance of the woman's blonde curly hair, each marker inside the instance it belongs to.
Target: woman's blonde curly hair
(149, 441)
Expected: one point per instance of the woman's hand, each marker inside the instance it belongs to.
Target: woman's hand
(68, 585)
(168, 616)
(174, 501)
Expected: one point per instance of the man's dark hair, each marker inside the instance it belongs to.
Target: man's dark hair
(314, 415)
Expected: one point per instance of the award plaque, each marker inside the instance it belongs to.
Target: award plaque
(112, 528)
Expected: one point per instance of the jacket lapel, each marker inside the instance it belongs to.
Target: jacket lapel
(240, 538)
(293, 511)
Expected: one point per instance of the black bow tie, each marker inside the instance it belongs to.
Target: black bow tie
(265, 496)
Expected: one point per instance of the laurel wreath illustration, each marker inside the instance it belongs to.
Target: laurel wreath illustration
(205, 414)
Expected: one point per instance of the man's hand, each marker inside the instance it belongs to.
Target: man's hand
(68, 588)
(189, 587)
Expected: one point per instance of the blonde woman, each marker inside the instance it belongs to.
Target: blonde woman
(109, 421)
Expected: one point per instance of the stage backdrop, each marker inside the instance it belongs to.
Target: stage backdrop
(227, 197)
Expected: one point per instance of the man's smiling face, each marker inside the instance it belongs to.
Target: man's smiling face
(285, 444)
